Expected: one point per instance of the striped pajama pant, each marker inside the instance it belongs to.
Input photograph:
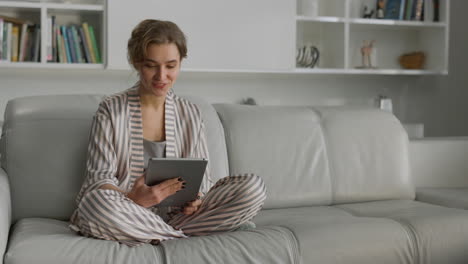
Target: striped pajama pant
(109, 215)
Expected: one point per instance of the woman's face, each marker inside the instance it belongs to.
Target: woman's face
(159, 71)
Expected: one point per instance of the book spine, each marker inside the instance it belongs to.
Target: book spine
(76, 38)
(54, 41)
(58, 39)
(85, 46)
(14, 43)
(5, 41)
(65, 44)
(8, 41)
(409, 6)
(22, 42)
(71, 45)
(2, 30)
(49, 39)
(37, 45)
(428, 11)
(402, 10)
(28, 54)
(88, 42)
(413, 9)
(436, 4)
(419, 10)
(94, 43)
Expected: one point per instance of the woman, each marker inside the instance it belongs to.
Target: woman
(150, 120)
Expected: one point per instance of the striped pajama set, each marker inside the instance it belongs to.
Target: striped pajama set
(116, 156)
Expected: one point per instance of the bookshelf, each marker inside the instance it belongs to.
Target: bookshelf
(337, 29)
(67, 14)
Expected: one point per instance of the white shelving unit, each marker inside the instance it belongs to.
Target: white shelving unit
(336, 28)
(65, 13)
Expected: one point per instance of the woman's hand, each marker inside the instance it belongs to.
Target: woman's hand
(148, 196)
(193, 206)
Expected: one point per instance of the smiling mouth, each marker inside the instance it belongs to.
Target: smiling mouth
(159, 85)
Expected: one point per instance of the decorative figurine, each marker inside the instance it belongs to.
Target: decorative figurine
(380, 9)
(366, 53)
(367, 14)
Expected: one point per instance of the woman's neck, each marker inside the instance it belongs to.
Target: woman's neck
(152, 101)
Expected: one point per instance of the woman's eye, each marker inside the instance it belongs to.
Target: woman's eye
(149, 66)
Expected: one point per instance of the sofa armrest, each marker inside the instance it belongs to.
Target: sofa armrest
(5, 212)
(439, 162)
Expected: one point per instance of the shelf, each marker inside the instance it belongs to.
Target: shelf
(84, 7)
(38, 65)
(326, 19)
(388, 22)
(320, 71)
(368, 71)
(337, 30)
(66, 14)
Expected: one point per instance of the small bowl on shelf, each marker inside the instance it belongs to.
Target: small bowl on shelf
(413, 60)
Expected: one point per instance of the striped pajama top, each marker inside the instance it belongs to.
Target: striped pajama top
(115, 150)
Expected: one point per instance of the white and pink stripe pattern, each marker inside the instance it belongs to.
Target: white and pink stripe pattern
(115, 156)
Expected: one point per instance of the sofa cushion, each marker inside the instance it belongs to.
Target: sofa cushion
(48, 241)
(215, 137)
(45, 141)
(283, 145)
(329, 235)
(44, 146)
(368, 154)
(449, 197)
(440, 234)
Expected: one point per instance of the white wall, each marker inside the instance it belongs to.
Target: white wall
(436, 101)
(440, 102)
(215, 87)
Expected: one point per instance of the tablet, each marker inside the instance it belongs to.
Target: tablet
(191, 170)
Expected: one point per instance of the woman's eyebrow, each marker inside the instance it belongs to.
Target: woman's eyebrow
(170, 61)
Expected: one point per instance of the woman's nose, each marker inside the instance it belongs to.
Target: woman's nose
(159, 74)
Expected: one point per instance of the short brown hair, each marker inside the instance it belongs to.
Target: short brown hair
(151, 31)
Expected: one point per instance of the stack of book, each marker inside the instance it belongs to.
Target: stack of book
(71, 44)
(416, 10)
(19, 40)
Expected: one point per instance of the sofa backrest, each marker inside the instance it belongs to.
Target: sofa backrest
(284, 146)
(368, 154)
(44, 146)
(319, 155)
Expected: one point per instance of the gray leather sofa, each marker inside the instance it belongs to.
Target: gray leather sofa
(339, 189)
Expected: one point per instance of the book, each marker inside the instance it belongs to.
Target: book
(54, 41)
(29, 46)
(88, 42)
(23, 40)
(94, 43)
(14, 43)
(436, 4)
(428, 10)
(65, 45)
(4, 42)
(58, 40)
(392, 9)
(49, 56)
(2, 26)
(78, 49)
(37, 44)
(85, 46)
(402, 10)
(418, 10)
(71, 45)
(409, 9)
(8, 40)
